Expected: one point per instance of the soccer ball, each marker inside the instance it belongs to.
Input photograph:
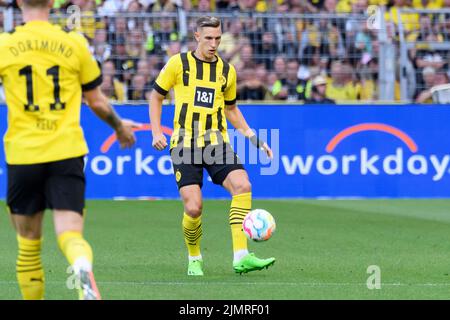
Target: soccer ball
(258, 225)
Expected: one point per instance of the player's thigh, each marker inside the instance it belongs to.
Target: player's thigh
(66, 220)
(187, 172)
(65, 186)
(226, 163)
(28, 226)
(25, 190)
(191, 195)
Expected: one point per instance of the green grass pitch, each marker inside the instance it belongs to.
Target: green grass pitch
(323, 249)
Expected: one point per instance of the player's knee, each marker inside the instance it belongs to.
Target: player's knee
(193, 209)
(243, 187)
(29, 233)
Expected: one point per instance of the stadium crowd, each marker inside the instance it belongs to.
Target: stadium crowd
(331, 55)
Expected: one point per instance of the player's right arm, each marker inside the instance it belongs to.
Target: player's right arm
(90, 78)
(166, 80)
(99, 103)
(159, 139)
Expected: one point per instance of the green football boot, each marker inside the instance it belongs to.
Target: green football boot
(251, 263)
(195, 268)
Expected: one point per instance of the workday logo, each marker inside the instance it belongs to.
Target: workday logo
(405, 160)
(138, 161)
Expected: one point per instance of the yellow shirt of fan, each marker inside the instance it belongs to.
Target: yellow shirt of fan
(44, 70)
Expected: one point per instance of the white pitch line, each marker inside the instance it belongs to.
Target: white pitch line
(203, 283)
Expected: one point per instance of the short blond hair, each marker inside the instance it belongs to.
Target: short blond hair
(208, 21)
(36, 3)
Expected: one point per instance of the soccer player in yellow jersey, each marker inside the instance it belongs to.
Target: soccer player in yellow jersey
(205, 97)
(45, 70)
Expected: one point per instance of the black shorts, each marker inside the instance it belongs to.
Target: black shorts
(188, 164)
(53, 185)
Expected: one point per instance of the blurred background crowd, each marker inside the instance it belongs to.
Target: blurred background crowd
(312, 51)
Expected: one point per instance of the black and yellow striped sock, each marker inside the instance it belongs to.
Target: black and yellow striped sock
(30, 273)
(192, 229)
(241, 204)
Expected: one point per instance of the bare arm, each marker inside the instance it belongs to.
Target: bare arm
(100, 105)
(156, 101)
(234, 115)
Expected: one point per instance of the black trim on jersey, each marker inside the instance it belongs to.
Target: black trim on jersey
(160, 90)
(219, 119)
(199, 67)
(208, 127)
(185, 62)
(93, 84)
(212, 73)
(226, 70)
(195, 124)
(182, 118)
(230, 102)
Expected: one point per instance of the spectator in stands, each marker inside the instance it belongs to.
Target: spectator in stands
(111, 7)
(310, 58)
(426, 4)
(426, 56)
(326, 36)
(161, 37)
(143, 69)
(368, 73)
(318, 92)
(162, 5)
(232, 41)
(253, 32)
(88, 20)
(155, 64)
(134, 46)
(228, 5)
(247, 60)
(135, 23)
(292, 88)
(251, 86)
(102, 49)
(440, 77)
(268, 50)
(271, 85)
(173, 48)
(279, 66)
(138, 90)
(204, 6)
(363, 39)
(118, 31)
(340, 86)
(423, 94)
(443, 21)
(410, 21)
(114, 89)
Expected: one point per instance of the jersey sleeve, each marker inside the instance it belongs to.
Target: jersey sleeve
(3, 37)
(90, 73)
(167, 78)
(230, 91)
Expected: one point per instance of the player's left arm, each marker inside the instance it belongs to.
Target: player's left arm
(236, 118)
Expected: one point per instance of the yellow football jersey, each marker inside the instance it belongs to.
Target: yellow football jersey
(44, 70)
(202, 89)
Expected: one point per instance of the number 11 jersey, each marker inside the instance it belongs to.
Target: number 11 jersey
(44, 70)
